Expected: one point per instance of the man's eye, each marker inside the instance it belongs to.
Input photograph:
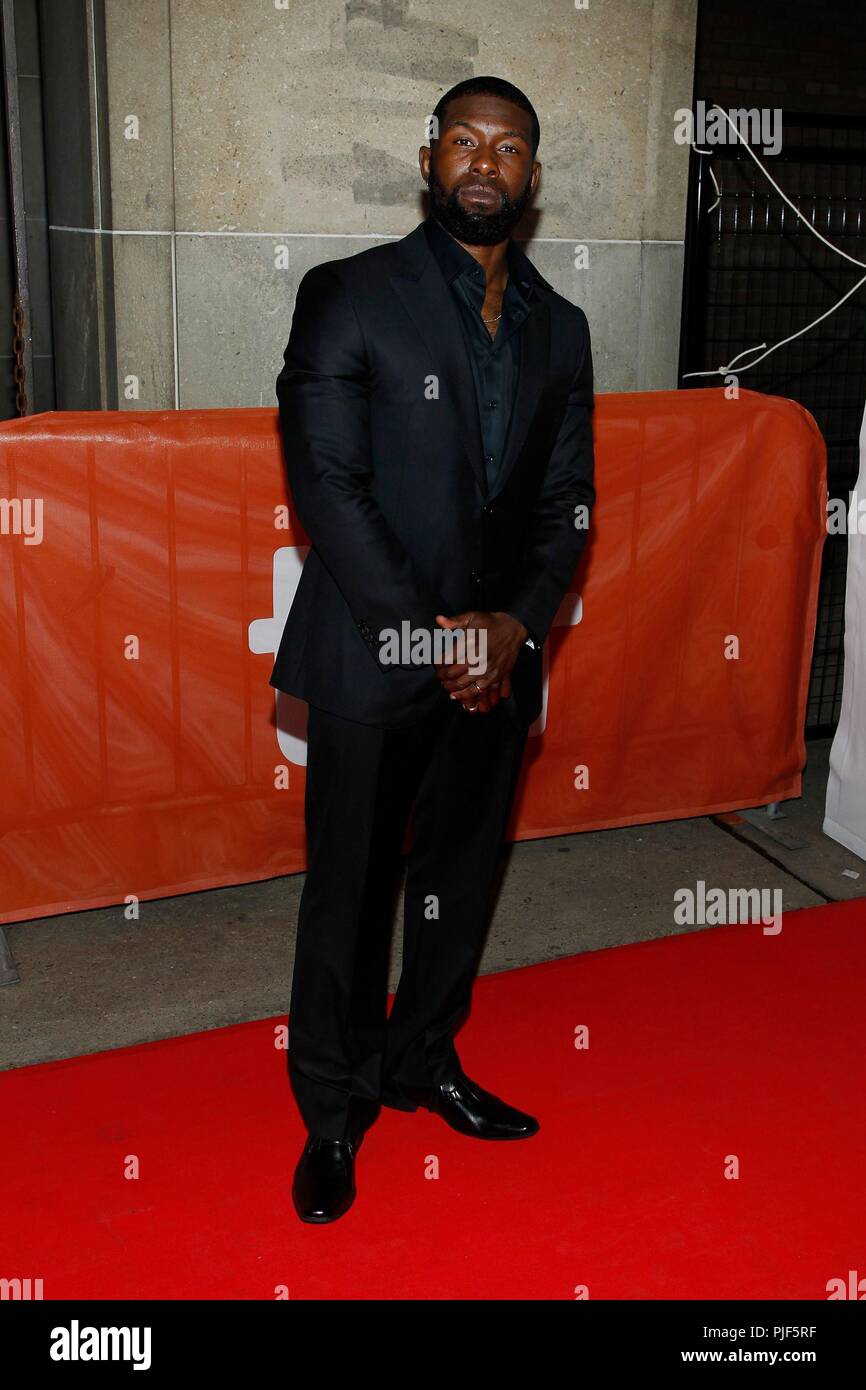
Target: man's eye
(511, 148)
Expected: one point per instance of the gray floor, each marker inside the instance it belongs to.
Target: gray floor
(91, 980)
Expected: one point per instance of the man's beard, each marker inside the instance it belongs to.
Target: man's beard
(476, 228)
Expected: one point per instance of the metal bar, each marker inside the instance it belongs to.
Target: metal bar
(16, 189)
(694, 301)
(8, 969)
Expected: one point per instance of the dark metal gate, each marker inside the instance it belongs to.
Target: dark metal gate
(754, 273)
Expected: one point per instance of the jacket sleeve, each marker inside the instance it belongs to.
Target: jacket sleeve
(560, 520)
(323, 392)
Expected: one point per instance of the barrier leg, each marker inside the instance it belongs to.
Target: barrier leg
(8, 969)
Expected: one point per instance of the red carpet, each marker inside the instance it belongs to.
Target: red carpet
(714, 1043)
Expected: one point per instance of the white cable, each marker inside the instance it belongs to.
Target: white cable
(713, 177)
(800, 331)
(723, 371)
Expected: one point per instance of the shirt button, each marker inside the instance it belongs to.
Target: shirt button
(491, 405)
(488, 458)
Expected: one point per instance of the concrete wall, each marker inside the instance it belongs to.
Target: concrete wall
(248, 141)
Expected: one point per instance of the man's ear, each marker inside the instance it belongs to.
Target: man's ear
(424, 162)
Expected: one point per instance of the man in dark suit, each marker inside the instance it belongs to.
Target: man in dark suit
(435, 404)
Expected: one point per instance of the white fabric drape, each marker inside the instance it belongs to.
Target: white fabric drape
(845, 810)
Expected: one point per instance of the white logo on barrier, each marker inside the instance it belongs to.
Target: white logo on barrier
(569, 613)
(265, 633)
(264, 637)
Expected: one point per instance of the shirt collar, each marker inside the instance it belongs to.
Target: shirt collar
(455, 260)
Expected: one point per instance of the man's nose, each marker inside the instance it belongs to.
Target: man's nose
(485, 162)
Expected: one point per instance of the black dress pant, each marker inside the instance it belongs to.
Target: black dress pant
(454, 773)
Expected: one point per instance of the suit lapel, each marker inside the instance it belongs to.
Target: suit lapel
(534, 352)
(430, 304)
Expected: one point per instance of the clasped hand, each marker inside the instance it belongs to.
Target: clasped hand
(504, 637)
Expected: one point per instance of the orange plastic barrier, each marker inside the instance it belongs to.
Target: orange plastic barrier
(149, 558)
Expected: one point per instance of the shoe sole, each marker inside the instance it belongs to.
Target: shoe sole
(495, 1138)
(323, 1220)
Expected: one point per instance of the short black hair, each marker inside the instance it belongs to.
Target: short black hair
(494, 87)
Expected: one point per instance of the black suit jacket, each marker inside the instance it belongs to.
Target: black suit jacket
(383, 449)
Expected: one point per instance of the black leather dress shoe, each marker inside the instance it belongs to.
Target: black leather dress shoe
(469, 1109)
(324, 1183)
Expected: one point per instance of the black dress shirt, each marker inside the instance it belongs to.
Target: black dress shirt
(495, 362)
